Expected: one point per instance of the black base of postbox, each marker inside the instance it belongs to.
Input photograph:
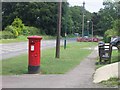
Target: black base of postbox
(33, 69)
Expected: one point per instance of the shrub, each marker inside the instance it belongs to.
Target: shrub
(25, 31)
(107, 39)
(12, 30)
(108, 34)
(33, 30)
(18, 25)
(6, 35)
(18, 28)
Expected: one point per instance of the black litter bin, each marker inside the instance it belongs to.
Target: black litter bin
(105, 51)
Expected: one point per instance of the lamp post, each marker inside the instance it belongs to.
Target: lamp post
(88, 27)
(83, 20)
(65, 34)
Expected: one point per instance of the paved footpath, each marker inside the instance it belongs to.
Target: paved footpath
(79, 77)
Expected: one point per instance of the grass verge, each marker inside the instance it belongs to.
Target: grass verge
(69, 58)
(112, 82)
(24, 38)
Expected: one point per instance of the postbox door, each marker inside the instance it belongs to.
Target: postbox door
(34, 51)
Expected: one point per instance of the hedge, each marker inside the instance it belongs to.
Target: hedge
(6, 35)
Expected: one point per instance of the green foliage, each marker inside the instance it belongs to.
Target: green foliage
(75, 19)
(23, 38)
(112, 82)
(31, 31)
(44, 15)
(18, 26)
(104, 19)
(12, 30)
(110, 33)
(6, 35)
(115, 31)
(107, 39)
(116, 27)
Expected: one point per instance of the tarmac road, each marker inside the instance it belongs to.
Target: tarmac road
(14, 49)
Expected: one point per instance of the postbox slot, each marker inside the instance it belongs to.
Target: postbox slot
(32, 42)
(32, 47)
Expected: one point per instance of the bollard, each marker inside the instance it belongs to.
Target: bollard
(34, 54)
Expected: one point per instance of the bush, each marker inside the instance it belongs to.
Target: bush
(6, 35)
(18, 28)
(12, 30)
(108, 34)
(25, 30)
(18, 25)
(107, 39)
(33, 30)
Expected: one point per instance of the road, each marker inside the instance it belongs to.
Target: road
(14, 49)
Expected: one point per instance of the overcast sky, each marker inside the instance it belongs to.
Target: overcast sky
(90, 5)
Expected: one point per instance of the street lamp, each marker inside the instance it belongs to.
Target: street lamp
(88, 27)
(83, 20)
(38, 17)
(92, 28)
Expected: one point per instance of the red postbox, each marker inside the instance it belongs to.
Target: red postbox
(34, 54)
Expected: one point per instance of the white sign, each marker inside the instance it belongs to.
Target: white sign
(32, 47)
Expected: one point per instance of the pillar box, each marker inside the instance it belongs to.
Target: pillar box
(34, 54)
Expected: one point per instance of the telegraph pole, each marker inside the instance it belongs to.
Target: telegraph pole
(58, 30)
(83, 20)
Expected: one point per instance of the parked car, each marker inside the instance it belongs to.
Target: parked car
(96, 39)
(115, 41)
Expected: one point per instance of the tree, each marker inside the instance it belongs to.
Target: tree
(43, 15)
(116, 27)
(76, 17)
(104, 19)
(16, 27)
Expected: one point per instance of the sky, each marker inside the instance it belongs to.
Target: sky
(90, 5)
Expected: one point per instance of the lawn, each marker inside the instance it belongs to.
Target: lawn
(112, 82)
(24, 38)
(69, 59)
